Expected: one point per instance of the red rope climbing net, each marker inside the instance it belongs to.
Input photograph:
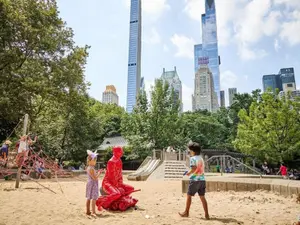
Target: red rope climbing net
(38, 163)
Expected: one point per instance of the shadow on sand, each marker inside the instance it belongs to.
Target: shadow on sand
(130, 210)
(224, 220)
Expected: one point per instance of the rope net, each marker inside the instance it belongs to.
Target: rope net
(34, 164)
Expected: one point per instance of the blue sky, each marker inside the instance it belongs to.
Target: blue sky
(256, 37)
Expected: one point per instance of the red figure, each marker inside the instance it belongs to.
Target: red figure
(117, 193)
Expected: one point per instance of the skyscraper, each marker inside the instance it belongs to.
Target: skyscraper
(222, 98)
(110, 95)
(204, 94)
(208, 50)
(134, 55)
(287, 77)
(174, 82)
(231, 93)
(283, 81)
(272, 82)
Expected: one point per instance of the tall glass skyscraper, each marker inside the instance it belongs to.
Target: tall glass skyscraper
(207, 52)
(134, 56)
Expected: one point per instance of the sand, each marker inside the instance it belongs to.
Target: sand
(159, 201)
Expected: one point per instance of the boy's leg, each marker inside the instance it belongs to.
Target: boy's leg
(187, 206)
(192, 189)
(205, 207)
(201, 193)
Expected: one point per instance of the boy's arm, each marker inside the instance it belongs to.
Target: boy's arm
(192, 170)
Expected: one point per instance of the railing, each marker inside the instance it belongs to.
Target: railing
(169, 156)
(222, 164)
(223, 158)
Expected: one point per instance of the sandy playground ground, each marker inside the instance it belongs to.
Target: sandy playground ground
(159, 203)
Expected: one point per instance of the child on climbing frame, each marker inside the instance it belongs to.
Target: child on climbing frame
(197, 180)
(92, 190)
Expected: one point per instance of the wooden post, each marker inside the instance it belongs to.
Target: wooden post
(153, 154)
(179, 152)
(20, 167)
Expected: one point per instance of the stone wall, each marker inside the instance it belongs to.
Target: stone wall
(282, 187)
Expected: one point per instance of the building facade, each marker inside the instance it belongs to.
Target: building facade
(291, 94)
(134, 55)
(272, 82)
(110, 95)
(222, 98)
(204, 94)
(287, 77)
(208, 50)
(231, 93)
(283, 81)
(174, 82)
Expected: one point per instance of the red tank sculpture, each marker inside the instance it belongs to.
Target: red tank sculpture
(115, 194)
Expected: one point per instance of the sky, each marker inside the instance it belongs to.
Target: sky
(256, 37)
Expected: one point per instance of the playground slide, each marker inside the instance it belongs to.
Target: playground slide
(145, 170)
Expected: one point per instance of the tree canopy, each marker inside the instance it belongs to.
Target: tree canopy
(271, 129)
(42, 74)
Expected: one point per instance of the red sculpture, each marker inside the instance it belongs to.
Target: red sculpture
(115, 194)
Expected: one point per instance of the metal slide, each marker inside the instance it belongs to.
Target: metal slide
(145, 169)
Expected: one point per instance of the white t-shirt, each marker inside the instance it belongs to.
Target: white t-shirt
(22, 147)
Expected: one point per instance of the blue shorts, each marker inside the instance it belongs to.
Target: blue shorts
(198, 186)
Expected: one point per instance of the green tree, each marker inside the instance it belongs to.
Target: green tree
(204, 129)
(271, 129)
(154, 125)
(39, 63)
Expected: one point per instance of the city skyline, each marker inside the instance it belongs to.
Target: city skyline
(170, 31)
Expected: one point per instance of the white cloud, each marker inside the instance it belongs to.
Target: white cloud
(152, 7)
(155, 6)
(154, 37)
(185, 46)
(290, 32)
(249, 28)
(292, 21)
(195, 8)
(288, 3)
(276, 45)
(228, 79)
(247, 53)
